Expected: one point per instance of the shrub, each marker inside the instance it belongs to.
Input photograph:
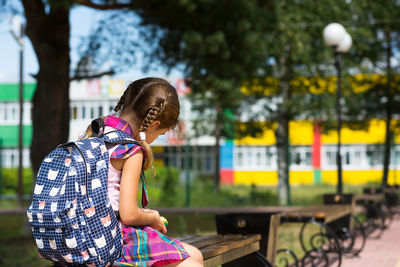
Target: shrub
(9, 181)
(165, 187)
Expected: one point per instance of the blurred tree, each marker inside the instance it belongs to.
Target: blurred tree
(48, 28)
(305, 85)
(220, 44)
(382, 96)
(296, 49)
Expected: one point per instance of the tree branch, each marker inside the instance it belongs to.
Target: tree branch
(90, 4)
(97, 75)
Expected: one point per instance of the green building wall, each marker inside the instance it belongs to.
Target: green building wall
(9, 135)
(10, 91)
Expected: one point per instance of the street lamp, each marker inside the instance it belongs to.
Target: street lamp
(17, 30)
(336, 36)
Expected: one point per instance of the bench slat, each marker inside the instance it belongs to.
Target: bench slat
(231, 255)
(223, 247)
(188, 238)
(326, 213)
(206, 242)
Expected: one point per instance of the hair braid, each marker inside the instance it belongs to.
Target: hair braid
(121, 101)
(152, 114)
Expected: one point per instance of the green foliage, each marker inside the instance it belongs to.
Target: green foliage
(16, 247)
(169, 183)
(9, 181)
(220, 44)
(261, 198)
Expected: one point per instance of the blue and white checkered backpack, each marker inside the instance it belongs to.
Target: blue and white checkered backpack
(71, 217)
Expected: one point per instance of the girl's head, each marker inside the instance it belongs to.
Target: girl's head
(150, 105)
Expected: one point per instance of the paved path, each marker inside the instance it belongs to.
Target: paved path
(382, 252)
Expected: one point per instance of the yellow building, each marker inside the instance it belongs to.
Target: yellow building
(313, 156)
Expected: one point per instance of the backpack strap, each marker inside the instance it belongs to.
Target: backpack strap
(145, 196)
(119, 137)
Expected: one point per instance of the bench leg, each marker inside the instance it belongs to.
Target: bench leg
(353, 237)
(375, 220)
(322, 243)
(261, 258)
(287, 258)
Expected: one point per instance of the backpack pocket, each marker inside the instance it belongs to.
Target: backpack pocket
(105, 240)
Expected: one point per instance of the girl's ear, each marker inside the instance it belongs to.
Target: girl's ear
(154, 124)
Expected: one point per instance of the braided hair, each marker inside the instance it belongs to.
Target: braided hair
(150, 99)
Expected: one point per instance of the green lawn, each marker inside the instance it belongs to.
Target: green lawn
(17, 247)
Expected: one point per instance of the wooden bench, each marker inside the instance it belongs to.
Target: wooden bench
(392, 198)
(244, 221)
(371, 206)
(322, 213)
(328, 222)
(220, 249)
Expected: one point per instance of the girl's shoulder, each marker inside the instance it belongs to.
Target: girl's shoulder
(123, 151)
(126, 151)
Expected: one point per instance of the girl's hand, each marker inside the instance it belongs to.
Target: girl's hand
(157, 223)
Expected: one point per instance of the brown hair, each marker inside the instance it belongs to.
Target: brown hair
(150, 99)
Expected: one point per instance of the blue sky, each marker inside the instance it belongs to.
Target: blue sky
(82, 20)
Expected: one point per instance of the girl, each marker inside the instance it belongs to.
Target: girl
(148, 108)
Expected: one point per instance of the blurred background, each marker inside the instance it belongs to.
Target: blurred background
(281, 101)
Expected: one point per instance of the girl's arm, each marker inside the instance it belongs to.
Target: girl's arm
(129, 211)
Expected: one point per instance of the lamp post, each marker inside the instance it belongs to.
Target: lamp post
(17, 30)
(340, 41)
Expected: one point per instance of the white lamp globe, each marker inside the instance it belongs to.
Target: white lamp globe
(345, 44)
(333, 34)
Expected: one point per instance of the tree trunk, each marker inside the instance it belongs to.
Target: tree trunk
(282, 135)
(217, 150)
(49, 32)
(282, 148)
(388, 111)
(386, 158)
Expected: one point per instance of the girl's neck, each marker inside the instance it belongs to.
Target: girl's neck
(133, 123)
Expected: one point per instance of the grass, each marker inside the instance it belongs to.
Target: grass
(17, 247)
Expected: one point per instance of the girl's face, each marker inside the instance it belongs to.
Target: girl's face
(153, 132)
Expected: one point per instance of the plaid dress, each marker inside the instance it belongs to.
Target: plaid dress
(142, 246)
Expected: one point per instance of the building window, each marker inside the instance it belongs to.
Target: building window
(331, 158)
(375, 155)
(297, 158)
(74, 113)
(83, 112)
(13, 113)
(5, 113)
(13, 160)
(240, 159)
(347, 158)
(308, 158)
(208, 163)
(249, 157)
(268, 156)
(397, 158)
(258, 158)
